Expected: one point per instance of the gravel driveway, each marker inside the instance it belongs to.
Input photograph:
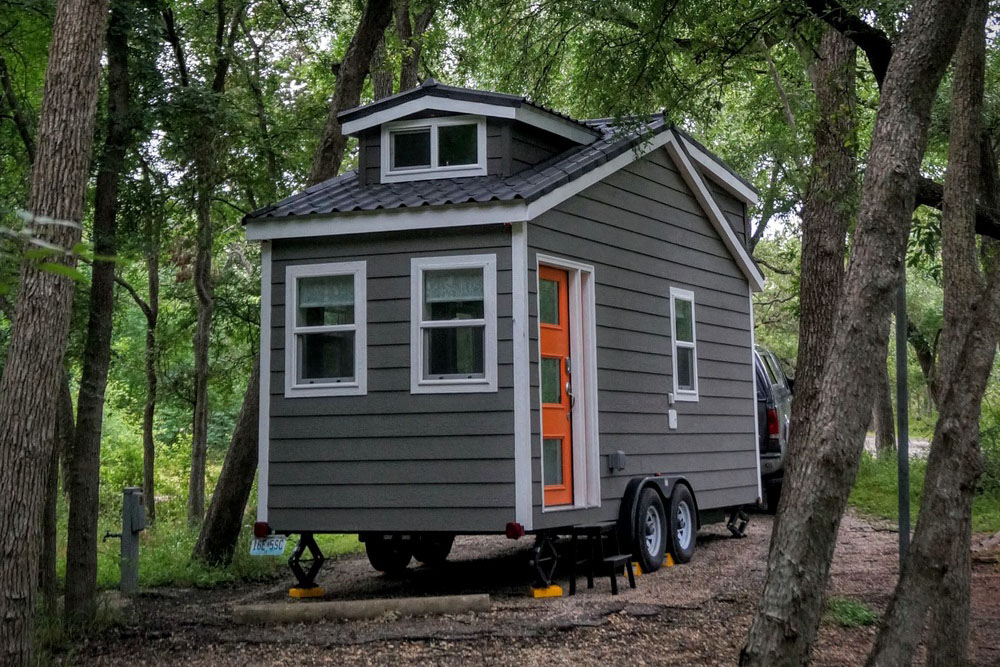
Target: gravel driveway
(694, 614)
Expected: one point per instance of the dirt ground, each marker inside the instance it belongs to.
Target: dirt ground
(693, 614)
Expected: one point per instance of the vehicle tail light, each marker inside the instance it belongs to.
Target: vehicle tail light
(261, 529)
(773, 443)
(772, 422)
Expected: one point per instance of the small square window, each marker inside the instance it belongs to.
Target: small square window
(457, 145)
(411, 149)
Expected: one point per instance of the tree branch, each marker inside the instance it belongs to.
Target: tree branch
(23, 127)
(772, 268)
(931, 193)
(143, 305)
(871, 40)
(175, 44)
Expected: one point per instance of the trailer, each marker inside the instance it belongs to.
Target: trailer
(507, 321)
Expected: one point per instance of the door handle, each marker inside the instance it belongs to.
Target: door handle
(572, 398)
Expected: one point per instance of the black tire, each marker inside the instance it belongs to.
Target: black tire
(389, 556)
(433, 550)
(683, 531)
(649, 532)
(773, 492)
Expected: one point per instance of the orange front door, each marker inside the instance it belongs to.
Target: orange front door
(557, 388)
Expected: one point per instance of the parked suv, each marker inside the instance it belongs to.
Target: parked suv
(774, 411)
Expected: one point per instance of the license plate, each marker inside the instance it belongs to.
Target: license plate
(268, 546)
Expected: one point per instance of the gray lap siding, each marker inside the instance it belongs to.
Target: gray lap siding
(643, 232)
(391, 460)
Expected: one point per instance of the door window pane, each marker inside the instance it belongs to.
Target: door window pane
(552, 463)
(551, 381)
(326, 357)
(683, 327)
(455, 351)
(548, 301)
(325, 301)
(457, 145)
(411, 148)
(685, 368)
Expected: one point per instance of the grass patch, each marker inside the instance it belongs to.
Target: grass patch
(875, 493)
(849, 613)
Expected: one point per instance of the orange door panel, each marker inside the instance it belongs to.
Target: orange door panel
(556, 387)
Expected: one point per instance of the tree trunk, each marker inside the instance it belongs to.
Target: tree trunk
(29, 387)
(937, 569)
(206, 306)
(84, 477)
(825, 449)
(47, 577)
(411, 35)
(152, 312)
(885, 428)
(381, 75)
(347, 91)
(221, 529)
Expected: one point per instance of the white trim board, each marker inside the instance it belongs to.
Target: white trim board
(720, 174)
(469, 215)
(522, 375)
(525, 114)
(756, 422)
(264, 409)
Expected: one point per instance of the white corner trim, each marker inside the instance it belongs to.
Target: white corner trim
(720, 174)
(753, 378)
(357, 387)
(684, 395)
(264, 409)
(694, 181)
(488, 383)
(432, 125)
(537, 118)
(522, 375)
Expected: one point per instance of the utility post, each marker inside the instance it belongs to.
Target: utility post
(133, 523)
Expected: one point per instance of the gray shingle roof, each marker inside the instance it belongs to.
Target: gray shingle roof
(345, 192)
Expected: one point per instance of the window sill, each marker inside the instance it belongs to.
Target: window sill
(323, 390)
(685, 398)
(454, 386)
(403, 175)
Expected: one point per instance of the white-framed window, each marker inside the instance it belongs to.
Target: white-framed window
(685, 355)
(325, 330)
(453, 324)
(447, 147)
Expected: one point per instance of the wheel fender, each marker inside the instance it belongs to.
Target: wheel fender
(630, 500)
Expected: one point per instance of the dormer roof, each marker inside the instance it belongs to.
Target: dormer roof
(432, 96)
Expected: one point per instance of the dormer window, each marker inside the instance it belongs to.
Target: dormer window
(448, 147)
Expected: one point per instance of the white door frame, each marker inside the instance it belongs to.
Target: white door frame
(583, 364)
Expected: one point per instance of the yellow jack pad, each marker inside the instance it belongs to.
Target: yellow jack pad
(552, 591)
(668, 561)
(636, 569)
(299, 593)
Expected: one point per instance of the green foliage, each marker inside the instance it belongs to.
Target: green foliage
(875, 493)
(849, 613)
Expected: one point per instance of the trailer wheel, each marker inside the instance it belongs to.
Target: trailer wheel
(389, 556)
(683, 526)
(650, 534)
(433, 550)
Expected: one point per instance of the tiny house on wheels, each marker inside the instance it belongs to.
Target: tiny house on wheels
(507, 321)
